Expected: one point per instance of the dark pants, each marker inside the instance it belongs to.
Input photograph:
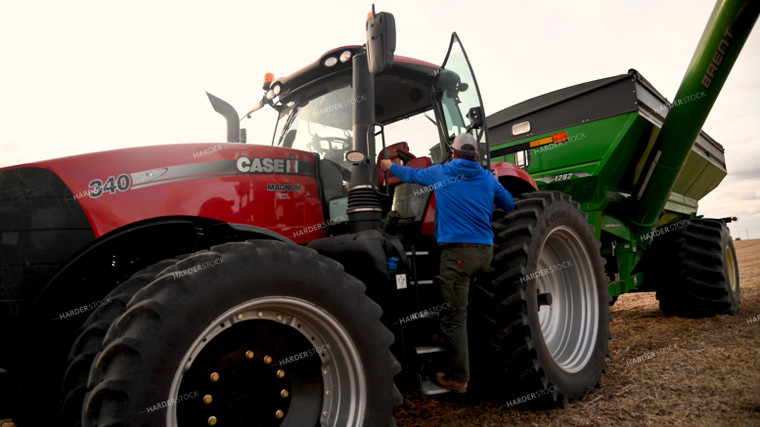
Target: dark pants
(457, 265)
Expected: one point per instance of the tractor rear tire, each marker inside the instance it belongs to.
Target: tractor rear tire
(273, 334)
(696, 270)
(554, 352)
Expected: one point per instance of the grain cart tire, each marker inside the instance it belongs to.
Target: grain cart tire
(247, 333)
(554, 352)
(697, 272)
(89, 340)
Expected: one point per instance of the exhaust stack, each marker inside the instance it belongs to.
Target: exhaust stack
(234, 133)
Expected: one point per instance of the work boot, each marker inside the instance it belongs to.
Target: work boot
(454, 385)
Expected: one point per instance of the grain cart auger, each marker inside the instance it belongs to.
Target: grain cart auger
(233, 283)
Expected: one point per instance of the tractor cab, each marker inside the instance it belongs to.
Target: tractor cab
(419, 109)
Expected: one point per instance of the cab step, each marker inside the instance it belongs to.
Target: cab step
(429, 388)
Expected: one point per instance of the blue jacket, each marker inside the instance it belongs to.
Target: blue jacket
(465, 195)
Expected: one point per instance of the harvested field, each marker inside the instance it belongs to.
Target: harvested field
(663, 371)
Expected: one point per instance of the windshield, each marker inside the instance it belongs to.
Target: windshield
(319, 119)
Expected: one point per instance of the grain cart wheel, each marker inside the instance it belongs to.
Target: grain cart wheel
(89, 341)
(542, 313)
(250, 333)
(697, 273)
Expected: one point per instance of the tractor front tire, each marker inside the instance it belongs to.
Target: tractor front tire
(268, 333)
(89, 340)
(541, 315)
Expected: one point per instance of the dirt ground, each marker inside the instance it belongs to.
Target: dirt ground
(704, 372)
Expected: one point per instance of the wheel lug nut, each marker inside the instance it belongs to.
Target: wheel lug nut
(207, 399)
(544, 299)
(214, 377)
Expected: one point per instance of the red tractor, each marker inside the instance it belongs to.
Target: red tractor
(247, 284)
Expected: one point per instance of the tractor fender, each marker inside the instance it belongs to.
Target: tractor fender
(514, 178)
(96, 269)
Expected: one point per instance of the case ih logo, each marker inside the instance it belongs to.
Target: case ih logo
(266, 165)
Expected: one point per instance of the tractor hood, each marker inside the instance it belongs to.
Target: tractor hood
(219, 181)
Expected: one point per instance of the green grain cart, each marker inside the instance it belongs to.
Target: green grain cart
(638, 165)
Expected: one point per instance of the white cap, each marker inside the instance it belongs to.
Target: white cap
(464, 139)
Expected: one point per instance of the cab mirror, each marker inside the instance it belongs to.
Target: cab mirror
(476, 117)
(381, 41)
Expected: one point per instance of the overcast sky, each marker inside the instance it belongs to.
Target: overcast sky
(80, 76)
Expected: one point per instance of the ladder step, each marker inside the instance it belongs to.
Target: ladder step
(429, 388)
(427, 349)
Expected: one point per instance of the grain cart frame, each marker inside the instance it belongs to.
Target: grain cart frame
(280, 285)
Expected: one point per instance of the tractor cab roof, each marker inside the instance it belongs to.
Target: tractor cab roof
(339, 59)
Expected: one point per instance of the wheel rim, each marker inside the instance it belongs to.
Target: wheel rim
(733, 285)
(269, 376)
(569, 324)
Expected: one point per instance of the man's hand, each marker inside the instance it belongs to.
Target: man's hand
(385, 165)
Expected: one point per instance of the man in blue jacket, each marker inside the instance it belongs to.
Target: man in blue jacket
(465, 195)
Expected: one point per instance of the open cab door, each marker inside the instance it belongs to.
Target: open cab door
(461, 104)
